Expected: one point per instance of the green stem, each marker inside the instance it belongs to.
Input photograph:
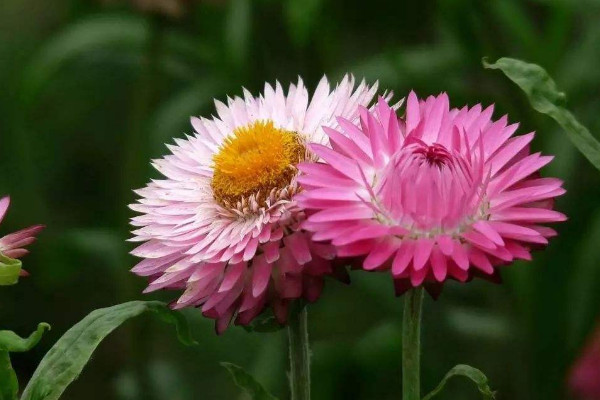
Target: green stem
(299, 356)
(9, 385)
(411, 345)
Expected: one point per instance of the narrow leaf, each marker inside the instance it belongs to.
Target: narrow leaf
(66, 359)
(469, 372)
(545, 97)
(88, 35)
(11, 342)
(247, 382)
(9, 270)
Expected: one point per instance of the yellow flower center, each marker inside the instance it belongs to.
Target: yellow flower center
(255, 158)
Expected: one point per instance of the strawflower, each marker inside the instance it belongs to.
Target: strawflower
(12, 246)
(584, 379)
(439, 194)
(224, 225)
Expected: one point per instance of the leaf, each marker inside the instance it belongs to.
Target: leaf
(66, 359)
(469, 372)
(88, 35)
(11, 342)
(545, 97)
(9, 270)
(247, 382)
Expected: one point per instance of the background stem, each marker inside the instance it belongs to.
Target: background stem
(135, 161)
(299, 356)
(411, 345)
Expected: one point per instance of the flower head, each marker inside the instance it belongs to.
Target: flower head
(224, 225)
(584, 380)
(443, 193)
(12, 246)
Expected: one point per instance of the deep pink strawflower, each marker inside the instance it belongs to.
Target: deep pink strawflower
(442, 193)
(13, 245)
(224, 225)
(584, 380)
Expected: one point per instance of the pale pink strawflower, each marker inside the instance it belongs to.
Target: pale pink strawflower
(584, 379)
(13, 245)
(442, 193)
(224, 224)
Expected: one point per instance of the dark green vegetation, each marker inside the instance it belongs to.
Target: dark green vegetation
(90, 92)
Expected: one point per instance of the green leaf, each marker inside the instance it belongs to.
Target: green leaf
(9, 270)
(88, 35)
(11, 342)
(247, 382)
(469, 372)
(545, 97)
(66, 359)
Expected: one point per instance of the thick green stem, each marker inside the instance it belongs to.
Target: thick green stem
(299, 356)
(411, 345)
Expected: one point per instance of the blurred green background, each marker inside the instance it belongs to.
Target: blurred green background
(91, 90)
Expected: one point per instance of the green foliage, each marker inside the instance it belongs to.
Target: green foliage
(67, 358)
(89, 35)
(10, 342)
(13, 343)
(247, 382)
(469, 372)
(9, 270)
(547, 99)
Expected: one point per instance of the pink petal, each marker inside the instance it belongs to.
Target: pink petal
(261, 275)
(532, 215)
(4, 204)
(403, 257)
(298, 245)
(422, 252)
(438, 264)
(380, 254)
(342, 213)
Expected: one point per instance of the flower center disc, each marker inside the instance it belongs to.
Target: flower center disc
(255, 159)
